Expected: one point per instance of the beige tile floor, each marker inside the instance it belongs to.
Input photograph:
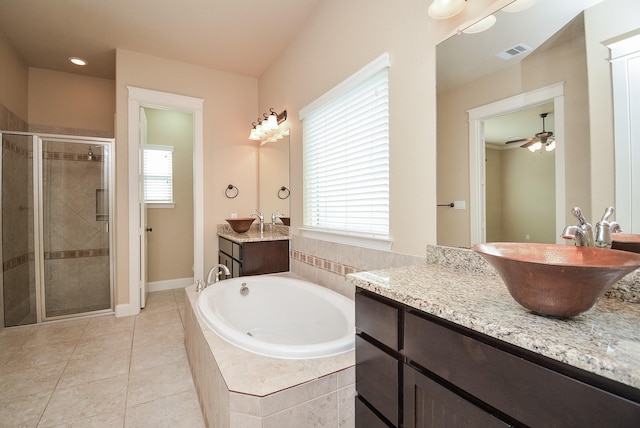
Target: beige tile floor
(100, 372)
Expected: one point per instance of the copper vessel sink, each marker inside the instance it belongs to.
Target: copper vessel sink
(557, 280)
(626, 242)
(240, 225)
(286, 221)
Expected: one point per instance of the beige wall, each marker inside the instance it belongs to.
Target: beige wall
(339, 39)
(64, 101)
(14, 82)
(229, 157)
(564, 63)
(170, 245)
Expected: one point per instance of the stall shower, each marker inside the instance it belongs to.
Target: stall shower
(56, 227)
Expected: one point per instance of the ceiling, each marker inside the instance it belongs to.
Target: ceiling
(238, 36)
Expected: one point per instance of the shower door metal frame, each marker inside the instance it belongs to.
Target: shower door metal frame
(40, 284)
(37, 140)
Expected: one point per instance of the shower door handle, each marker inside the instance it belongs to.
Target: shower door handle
(149, 229)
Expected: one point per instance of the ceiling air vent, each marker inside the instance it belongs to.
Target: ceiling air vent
(518, 49)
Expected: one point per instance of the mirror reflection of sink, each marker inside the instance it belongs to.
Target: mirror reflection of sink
(240, 224)
(286, 221)
(557, 280)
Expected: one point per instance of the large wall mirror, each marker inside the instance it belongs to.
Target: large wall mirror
(493, 87)
(274, 189)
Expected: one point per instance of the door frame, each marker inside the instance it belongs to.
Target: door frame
(137, 98)
(477, 174)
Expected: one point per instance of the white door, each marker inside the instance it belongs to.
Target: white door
(625, 64)
(143, 228)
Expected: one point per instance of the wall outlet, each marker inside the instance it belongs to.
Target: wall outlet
(459, 205)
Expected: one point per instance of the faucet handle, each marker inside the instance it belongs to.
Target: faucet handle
(577, 213)
(199, 286)
(607, 213)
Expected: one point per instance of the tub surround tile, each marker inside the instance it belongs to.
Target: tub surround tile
(604, 341)
(244, 389)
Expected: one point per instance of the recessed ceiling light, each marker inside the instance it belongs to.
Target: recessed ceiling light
(77, 61)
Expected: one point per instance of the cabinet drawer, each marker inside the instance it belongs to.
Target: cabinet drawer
(427, 404)
(365, 418)
(377, 379)
(225, 246)
(378, 320)
(531, 394)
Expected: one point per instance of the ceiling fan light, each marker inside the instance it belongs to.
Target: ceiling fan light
(480, 26)
(550, 146)
(535, 146)
(443, 9)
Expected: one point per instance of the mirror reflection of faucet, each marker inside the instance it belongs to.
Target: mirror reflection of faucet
(261, 218)
(584, 234)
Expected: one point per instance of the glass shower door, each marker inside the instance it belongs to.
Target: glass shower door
(18, 251)
(75, 225)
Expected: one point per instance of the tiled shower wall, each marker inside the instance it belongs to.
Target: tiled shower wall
(17, 226)
(76, 240)
(326, 263)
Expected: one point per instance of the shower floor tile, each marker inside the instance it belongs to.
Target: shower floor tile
(102, 372)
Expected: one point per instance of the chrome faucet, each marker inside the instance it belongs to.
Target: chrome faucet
(261, 218)
(217, 269)
(584, 235)
(275, 217)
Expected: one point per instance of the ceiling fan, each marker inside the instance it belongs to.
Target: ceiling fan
(543, 138)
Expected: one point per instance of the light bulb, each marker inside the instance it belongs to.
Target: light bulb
(273, 121)
(535, 146)
(254, 135)
(443, 9)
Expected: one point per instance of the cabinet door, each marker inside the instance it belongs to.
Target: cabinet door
(224, 259)
(265, 257)
(365, 418)
(377, 379)
(428, 404)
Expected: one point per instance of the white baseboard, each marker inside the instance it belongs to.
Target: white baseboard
(125, 310)
(169, 284)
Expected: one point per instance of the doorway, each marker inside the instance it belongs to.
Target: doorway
(477, 165)
(139, 98)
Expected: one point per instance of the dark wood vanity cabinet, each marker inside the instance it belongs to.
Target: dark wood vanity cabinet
(450, 376)
(255, 257)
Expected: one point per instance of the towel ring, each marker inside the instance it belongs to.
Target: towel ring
(229, 194)
(283, 193)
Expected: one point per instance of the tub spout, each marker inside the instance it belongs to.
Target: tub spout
(217, 269)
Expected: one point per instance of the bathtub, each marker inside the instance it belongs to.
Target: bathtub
(279, 316)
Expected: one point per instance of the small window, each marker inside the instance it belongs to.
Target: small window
(158, 174)
(346, 156)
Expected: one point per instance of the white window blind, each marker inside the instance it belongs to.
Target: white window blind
(346, 160)
(158, 174)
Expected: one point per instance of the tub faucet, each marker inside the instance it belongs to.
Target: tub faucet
(217, 269)
(261, 218)
(584, 234)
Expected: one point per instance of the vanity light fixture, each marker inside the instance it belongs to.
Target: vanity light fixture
(444, 9)
(78, 61)
(268, 127)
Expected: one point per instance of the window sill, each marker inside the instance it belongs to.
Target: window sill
(348, 238)
(157, 205)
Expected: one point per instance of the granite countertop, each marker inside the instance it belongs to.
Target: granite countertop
(605, 341)
(271, 232)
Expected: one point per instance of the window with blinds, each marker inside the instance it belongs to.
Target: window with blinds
(158, 174)
(346, 156)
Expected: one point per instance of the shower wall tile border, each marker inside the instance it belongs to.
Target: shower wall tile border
(54, 255)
